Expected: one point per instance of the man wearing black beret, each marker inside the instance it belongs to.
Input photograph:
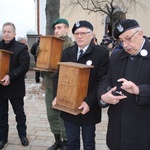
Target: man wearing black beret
(91, 114)
(126, 90)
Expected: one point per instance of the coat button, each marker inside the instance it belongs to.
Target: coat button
(131, 58)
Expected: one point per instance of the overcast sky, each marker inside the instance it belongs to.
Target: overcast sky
(20, 12)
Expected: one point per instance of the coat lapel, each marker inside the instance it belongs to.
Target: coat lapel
(73, 54)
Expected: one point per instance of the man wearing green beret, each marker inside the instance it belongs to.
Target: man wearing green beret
(61, 28)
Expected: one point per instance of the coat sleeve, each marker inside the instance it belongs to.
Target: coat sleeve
(144, 96)
(91, 98)
(21, 63)
(34, 48)
(104, 84)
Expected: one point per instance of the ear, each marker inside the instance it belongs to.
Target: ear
(141, 34)
(67, 29)
(92, 35)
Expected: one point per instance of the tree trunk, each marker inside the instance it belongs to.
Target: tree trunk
(52, 13)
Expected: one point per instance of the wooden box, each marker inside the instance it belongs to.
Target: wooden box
(49, 54)
(4, 62)
(72, 86)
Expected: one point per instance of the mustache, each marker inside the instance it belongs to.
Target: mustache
(127, 48)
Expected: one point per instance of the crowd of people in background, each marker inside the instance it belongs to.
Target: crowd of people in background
(109, 42)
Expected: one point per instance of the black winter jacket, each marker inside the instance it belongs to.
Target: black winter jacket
(99, 57)
(129, 120)
(19, 65)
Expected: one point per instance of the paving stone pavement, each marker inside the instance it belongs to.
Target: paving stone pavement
(39, 134)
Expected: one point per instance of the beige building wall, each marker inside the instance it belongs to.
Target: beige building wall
(143, 17)
(73, 16)
(98, 20)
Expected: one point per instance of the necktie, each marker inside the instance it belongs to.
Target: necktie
(81, 53)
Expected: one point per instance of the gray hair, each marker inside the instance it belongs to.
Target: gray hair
(137, 29)
(10, 24)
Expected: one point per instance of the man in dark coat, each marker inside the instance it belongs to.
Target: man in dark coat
(129, 73)
(33, 51)
(12, 86)
(91, 114)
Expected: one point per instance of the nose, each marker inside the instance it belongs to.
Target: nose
(124, 43)
(55, 30)
(79, 35)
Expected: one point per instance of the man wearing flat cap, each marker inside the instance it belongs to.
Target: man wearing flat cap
(61, 28)
(129, 74)
(91, 113)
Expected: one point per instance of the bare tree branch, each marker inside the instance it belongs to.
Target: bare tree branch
(108, 7)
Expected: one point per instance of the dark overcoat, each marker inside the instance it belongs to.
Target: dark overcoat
(129, 120)
(19, 65)
(99, 57)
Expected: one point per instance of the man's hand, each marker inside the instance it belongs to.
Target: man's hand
(129, 86)
(109, 98)
(54, 101)
(6, 80)
(85, 108)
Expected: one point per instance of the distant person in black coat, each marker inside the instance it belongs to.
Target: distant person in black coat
(12, 85)
(24, 41)
(34, 53)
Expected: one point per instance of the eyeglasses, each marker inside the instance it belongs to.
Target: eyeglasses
(128, 39)
(81, 33)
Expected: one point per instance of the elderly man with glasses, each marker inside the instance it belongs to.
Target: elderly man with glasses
(128, 97)
(85, 52)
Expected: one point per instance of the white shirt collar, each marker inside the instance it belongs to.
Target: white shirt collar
(84, 49)
(141, 47)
